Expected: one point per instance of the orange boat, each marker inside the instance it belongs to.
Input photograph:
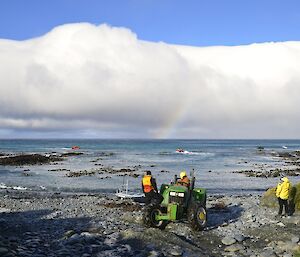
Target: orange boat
(75, 147)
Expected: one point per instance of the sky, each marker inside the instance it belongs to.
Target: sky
(149, 69)
(191, 22)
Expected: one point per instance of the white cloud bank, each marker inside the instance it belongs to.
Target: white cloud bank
(101, 81)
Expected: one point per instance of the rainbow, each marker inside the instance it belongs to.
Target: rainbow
(168, 127)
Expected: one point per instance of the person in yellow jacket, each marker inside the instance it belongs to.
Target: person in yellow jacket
(282, 194)
(184, 180)
(150, 188)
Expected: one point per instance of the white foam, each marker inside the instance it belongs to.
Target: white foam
(195, 153)
(3, 186)
(19, 188)
(4, 210)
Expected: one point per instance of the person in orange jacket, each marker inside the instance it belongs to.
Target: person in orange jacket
(282, 193)
(150, 188)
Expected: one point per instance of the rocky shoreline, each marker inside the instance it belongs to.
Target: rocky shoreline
(19, 160)
(43, 223)
(28, 159)
(60, 224)
(291, 159)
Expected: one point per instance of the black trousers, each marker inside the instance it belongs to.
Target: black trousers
(153, 197)
(285, 204)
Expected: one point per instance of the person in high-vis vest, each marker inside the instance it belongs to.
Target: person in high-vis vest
(282, 193)
(149, 187)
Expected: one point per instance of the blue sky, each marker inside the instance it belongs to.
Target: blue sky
(192, 22)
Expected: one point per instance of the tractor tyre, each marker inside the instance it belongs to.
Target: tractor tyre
(149, 217)
(197, 216)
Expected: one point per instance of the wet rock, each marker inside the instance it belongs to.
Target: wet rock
(26, 174)
(220, 205)
(234, 248)
(71, 154)
(287, 246)
(280, 224)
(88, 238)
(228, 240)
(28, 159)
(112, 239)
(74, 239)
(239, 237)
(106, 154)
(69, 233)
(58, 170)
(154, 254)
(287, 255)
(80, 173)
(295, 239)
(54, 215)
(267, 253)
(176, 251)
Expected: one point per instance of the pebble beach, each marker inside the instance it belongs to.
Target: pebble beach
(40, 221)
(41, 224)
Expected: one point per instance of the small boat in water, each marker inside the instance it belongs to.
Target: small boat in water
(179, 150)
(75, 147)
(123, 192)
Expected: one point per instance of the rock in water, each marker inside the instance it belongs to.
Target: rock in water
(28, 159)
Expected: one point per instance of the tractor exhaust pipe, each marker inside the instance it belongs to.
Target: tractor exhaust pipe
(175, 179)
(192, 184)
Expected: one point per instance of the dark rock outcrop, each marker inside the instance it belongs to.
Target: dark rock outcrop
(28, 159)
(71, 154)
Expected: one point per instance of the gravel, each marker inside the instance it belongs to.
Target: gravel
(68, 224)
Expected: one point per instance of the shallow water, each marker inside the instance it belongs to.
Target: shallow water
(212, 160)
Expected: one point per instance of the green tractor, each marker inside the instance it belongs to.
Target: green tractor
(179, 202)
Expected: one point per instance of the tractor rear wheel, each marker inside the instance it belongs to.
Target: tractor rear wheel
(149, 217)
(197, 216)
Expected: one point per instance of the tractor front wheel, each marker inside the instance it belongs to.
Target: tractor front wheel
(150, 217)
(197, 217)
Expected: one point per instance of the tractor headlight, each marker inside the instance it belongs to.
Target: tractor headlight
(181, 194)
(173, 193)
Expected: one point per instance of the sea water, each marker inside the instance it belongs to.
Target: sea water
(213, 161)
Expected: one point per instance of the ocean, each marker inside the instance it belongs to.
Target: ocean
(213, 161)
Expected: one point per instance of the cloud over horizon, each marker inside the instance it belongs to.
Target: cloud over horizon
(101, 81)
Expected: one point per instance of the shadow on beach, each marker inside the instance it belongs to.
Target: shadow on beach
(221, 217)
(17, 223)
(37, 231)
